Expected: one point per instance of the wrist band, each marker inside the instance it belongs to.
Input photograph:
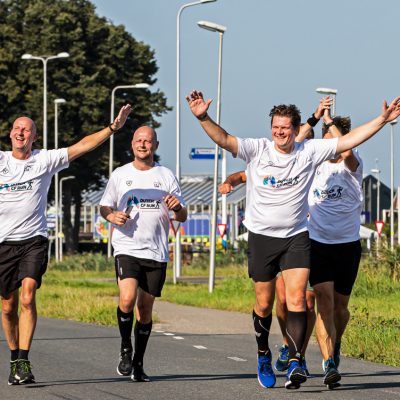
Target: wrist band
(312, 121)
(329, 124)
(177, 208)
(111, 128)
(202, 117)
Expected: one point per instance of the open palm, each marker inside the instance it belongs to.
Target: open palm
(197, 104)
(393, 111)
(122, 116)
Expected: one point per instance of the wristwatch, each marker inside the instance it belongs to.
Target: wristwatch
(329, 124)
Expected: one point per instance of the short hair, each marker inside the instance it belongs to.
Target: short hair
(342, 123)
(290, 111)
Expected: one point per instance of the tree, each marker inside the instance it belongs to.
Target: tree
(102, 56)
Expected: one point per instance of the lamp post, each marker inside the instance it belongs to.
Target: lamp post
(111, 157)
(56, 200)
(392, 124)
(44, 60)
(61, 214)
(377, 171)
(220, 29)
(178, 252)
(332, 93)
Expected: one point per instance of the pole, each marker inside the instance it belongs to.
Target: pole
(392, 184)
(56, 200)
(45, 102)
(215, 185)
(61, 214)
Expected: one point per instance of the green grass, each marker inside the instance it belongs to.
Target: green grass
(83, 288)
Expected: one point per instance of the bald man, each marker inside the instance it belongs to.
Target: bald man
(25, 177)
(138, 201)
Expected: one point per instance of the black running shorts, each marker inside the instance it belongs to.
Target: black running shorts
(150, 274)
(22, 259)
(269, 255)
(337, 263)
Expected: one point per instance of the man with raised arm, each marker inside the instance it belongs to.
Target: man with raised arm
(279, 176)
(25, 177)
(137, 201)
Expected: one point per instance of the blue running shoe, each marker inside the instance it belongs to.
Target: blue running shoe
(303, 364)
(332, 375)
(295, 375)
(266, 376)
(282, 363)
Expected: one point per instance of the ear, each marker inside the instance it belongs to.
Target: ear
(157, 144)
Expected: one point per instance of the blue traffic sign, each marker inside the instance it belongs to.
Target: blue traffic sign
(203, 153)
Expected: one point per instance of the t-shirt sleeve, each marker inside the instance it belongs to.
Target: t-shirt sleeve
(109, 198)
(57, 160)
(321, 150)
(248, 148)
(175, 190)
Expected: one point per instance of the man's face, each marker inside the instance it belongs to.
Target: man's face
(144, 144)
(23, 134)
(283, 133)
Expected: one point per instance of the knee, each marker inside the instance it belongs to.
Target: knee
(145, 312)
(126, 302)
(9, 309)
(27, 300)
(296, 300)
(263, 307)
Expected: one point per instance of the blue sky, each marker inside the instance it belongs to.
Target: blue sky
(274, 52)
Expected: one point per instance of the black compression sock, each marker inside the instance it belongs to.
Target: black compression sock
(262, 326)
(142, 334)
(125, 323)
(296, 327)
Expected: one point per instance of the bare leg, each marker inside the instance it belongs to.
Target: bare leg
(28, 316)
(341, 314)
(311, 317)
(281, 307)
(326, 332)
(10, 320)
(127, 294)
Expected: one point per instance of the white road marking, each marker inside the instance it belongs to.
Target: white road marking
(236, 359)
(178, 337)
(200, 347)
(169, 334)
(159, 331)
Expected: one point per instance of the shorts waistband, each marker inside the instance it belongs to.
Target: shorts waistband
(24, 241)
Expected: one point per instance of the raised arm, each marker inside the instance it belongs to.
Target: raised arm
(305, 129)
(348, 156)
(362, 133)
(199, 108)
(232, 181)
(90, 142)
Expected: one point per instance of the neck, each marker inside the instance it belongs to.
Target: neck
(284, 150)
(21, 154)
(143, 165)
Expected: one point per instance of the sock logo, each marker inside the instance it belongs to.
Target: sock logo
(258, 334)
(125, 319)
(144, 332)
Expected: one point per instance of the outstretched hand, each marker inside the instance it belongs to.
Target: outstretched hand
(197, 104)
(327, 116)
(391, 112)
(122, 116)
(324, 104)
(225, 188)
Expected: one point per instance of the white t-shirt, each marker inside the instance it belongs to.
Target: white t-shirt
(24, 185)
(278, 184)
(335, 202)
(145, 234)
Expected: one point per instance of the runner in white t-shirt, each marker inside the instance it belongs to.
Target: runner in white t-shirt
(279, 175)
(25, 177)
(335, 202)
(137, 201)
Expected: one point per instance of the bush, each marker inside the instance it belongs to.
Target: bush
(84, 262)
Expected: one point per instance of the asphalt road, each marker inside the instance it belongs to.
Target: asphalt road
(77, 361)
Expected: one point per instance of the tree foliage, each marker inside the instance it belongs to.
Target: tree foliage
(102, 56)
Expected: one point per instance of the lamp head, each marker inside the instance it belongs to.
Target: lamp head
(63, 54)
(394, 122)
(59, 101)
(141, 86)
(26, 56)
(208, 1)
(211, 26)
(326, 90)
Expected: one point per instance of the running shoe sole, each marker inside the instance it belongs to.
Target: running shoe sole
(332, 378)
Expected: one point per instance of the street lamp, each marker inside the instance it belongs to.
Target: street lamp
(178, 252)
(56, 200)
(332, 93)
(220, 29)
(44, 60)
(61, 214)
(392, 124)
(111, 157)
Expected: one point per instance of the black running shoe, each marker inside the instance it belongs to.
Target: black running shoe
(24, 372)
(138, 374)
(332, 375)
(12, 380)
(125, 362)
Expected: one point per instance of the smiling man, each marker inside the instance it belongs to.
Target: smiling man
(138, 200)
(25, 177)
(279, 175)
